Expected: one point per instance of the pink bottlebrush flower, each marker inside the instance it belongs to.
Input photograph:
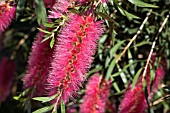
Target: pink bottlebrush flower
(134, 101)
(7, 13)
(7, 69)
(160, 73)
(59, 8)
(49, 3)
(96, 96)
(73, 55)
(38, 65)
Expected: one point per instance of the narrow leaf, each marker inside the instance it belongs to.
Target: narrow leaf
(136, 77)
(52, 42)
(94, 70)
(142, 4)
(124, 68)
(44, 31)
(105, 16)
(40, 11)
(115, 85)
(142, 43)
(110, 69)
(44, 109)
(116, 47)
(45, 99)
(62, 107)
(127, 14)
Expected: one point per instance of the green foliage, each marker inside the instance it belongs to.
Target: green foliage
(40, 11)
(44, 109)
(136, 78)
(142, 4)
(45, 99)
(122, 21)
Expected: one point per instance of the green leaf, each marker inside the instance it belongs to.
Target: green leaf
(58, 20)
(115, 85)
(112, 52)
(152, 73)
(118, 73)
(142, 43)
(22, 94)
(127, 14)
(44, 109)
(142, 4)
(45, 99)
(107, 61)
(111, 67)
(94, 70)
(62, 107)
(116, 47)
(105, 16)
(40, 11)
(49, 25)
(52, 42)
(16, 97)
(44, 31)
(136, 77)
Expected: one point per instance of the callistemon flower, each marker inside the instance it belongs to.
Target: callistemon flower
(7, 13)
(73, 55)
(49, 3)
(96, 96)
(38, 65)
(134, 101)
(59, 8)
(160, 73)
(7, 69)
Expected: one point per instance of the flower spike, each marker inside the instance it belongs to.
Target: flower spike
(7, 13)
(96, 96)
(38, 65)
(73, 55)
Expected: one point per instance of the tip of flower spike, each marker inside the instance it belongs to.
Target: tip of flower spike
(38, 65)
(7, 69)
(96, 96)
(133, 101)
(7, 13)
(58, 9)
(160, 72)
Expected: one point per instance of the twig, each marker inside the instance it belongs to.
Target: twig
(55, 106)
(159, 100)
(135, 36)
(153, 46)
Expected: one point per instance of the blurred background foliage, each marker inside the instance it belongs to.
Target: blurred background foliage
(122, 19)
